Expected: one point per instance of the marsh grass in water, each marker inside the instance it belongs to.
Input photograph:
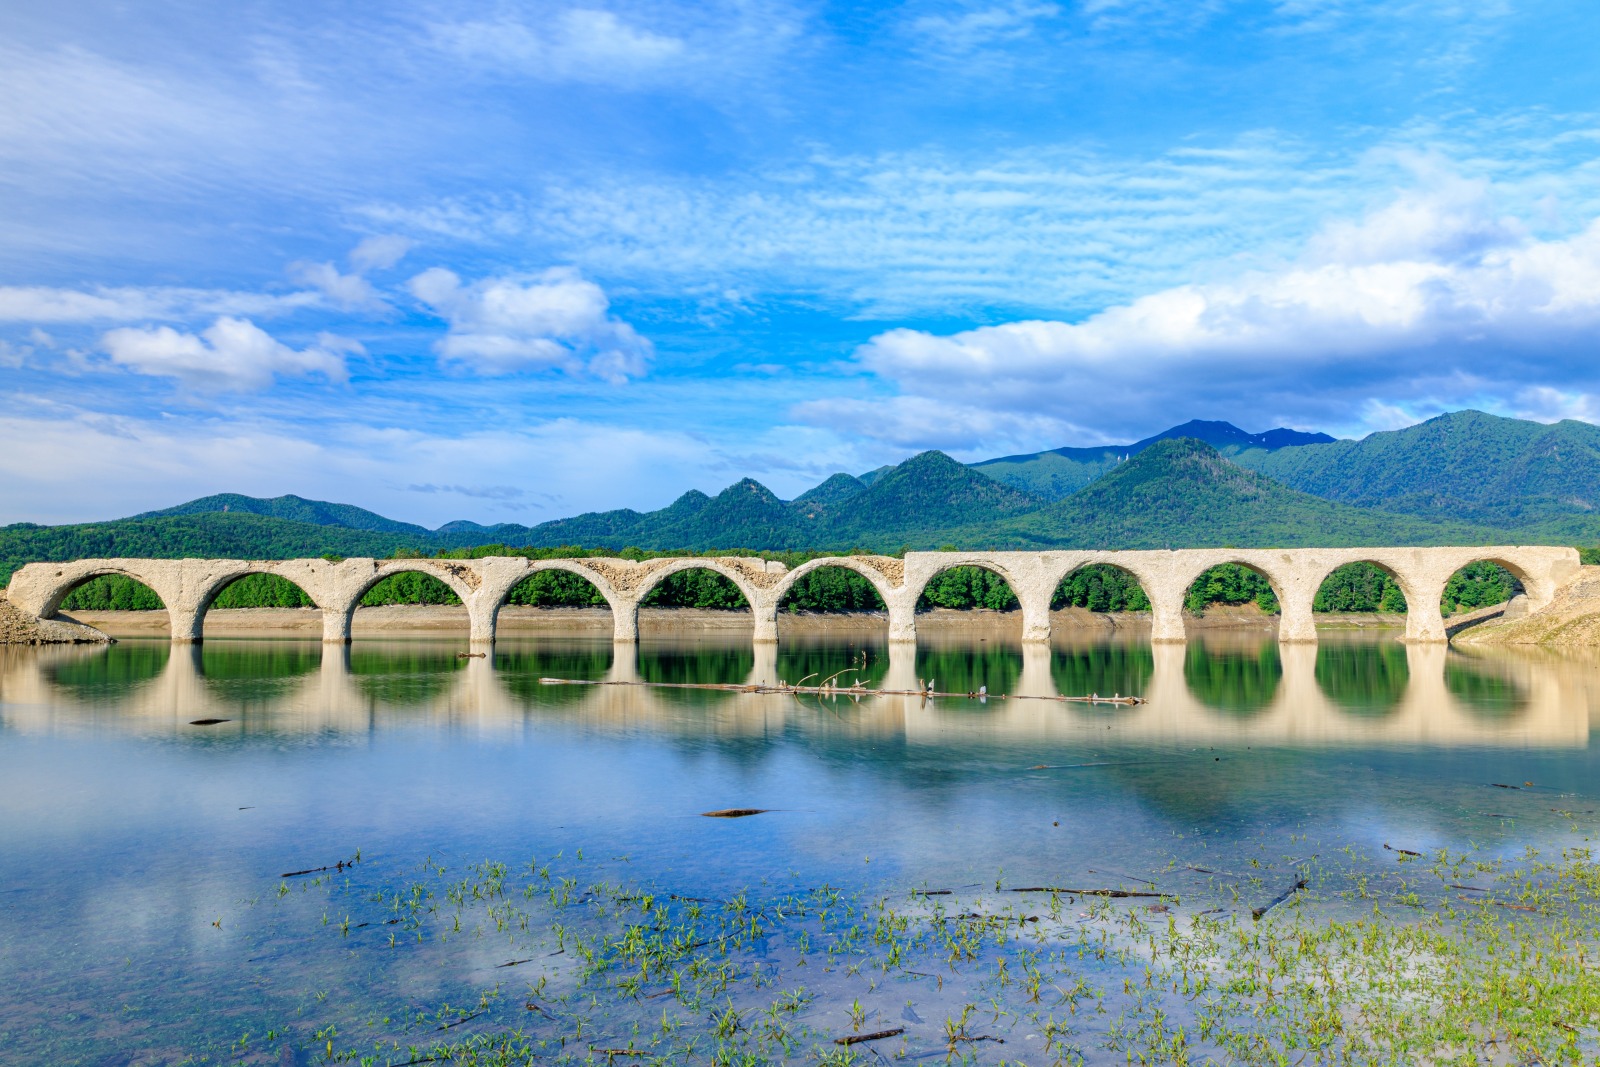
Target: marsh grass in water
(1393, 958)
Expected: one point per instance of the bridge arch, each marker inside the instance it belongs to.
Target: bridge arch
(49, 594)
(1519, 575)
(679, 564)
(1094, 591)
(1033, 610)
(917, 589)
(1275, 582)
(496, 593)
(759, 599)
(1398, 575)
(73, 576)
(874, 577)
(338, 611)
(202, 594)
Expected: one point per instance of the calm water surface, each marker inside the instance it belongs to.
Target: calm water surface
(141, 855)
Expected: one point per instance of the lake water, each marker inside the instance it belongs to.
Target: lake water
(145, 916)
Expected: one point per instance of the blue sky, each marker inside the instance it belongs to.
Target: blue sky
(508, 262)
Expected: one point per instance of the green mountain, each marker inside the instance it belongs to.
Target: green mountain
(838, 487)
(1183, 493)
(1463, 478)
(1061, 472)
(911, 503)
(745, 513)
(294, 509)
(1465, 465)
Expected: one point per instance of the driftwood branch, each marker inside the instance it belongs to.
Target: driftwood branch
(1300, 883)
(856, 1039)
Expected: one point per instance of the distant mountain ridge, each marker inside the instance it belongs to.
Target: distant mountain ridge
(908, 504)
(1060, 472)
(293, 509)
(1464, 478)
(1466, 464)
(1183, 493)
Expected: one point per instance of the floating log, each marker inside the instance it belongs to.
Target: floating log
(1299, 884)
(1063, 891)
(856, 1039)
(782, 689)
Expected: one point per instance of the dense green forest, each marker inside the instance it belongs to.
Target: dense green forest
(1355, 587)
(1464, 465)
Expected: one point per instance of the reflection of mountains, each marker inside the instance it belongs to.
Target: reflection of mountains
(1207, 692)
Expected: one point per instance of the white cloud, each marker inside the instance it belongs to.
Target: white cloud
(971, 30)
(1549, 404)
(916, 423)
(579, 44)
(554, 320)
(66, 465)
(348, 291)
(231, 355)
(1432, 301)
(925, 232)
(39, 303)
(380, 252)
(353, 291)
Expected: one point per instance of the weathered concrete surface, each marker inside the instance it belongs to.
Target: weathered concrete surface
(19, 628)
(187, 587)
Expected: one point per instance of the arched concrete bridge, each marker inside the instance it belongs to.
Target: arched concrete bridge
(188, 586)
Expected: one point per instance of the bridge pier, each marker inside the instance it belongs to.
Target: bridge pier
(186, 620)
(764, 611)
(1035, 600)
(1166, 612)
(1297, 623)
(336, 624)
(1425, 620)
(625, 621)
(902, 605)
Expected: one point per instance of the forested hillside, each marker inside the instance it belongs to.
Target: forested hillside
(294, 509)
(1063, 471)
(1465, 465)
(1182, 493)
(1171, 492)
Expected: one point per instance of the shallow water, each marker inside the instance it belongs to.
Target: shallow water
(141, 855)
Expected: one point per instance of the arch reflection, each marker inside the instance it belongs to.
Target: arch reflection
(1486, 689)
(1238, 680)
(1106, 668)
(1380, 693)
(108, 677)
(711, 662)
(1365, 678)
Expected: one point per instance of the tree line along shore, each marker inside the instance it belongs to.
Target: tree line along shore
(1353, 588)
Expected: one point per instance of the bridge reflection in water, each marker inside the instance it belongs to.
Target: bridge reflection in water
(1217, 691)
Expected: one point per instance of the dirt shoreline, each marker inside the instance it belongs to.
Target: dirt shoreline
(307, 622)
(1570, 621)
